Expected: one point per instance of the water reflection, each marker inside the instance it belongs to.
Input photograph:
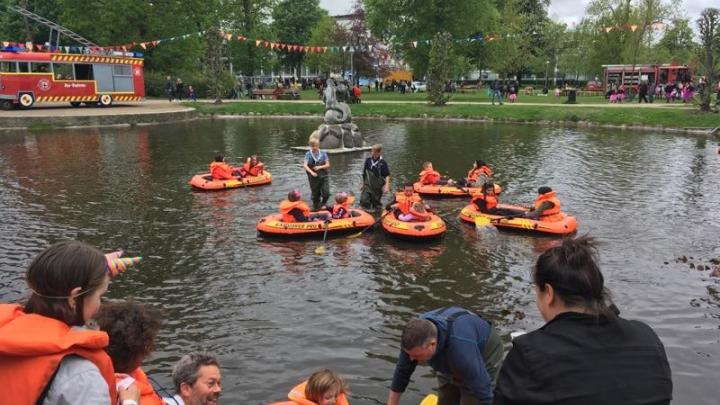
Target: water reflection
(275, 311)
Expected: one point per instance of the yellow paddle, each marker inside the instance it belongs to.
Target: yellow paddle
(482, 222)
(320, 250)
(430, 399)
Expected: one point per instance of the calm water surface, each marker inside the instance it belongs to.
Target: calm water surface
(274, 311)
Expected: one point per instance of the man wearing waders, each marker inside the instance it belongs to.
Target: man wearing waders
(376, 180)
(316, 165)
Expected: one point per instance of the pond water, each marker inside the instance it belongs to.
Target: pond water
(274, 311)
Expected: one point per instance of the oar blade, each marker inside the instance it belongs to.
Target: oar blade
(430, 399)
(482, 222)
(354, 235)
(320, 250)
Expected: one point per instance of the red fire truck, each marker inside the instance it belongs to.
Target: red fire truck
(632, 75)
(27, 78)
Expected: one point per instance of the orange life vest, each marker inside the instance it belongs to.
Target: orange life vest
(253, 170)
(32, 347)
(148, 396)
(336, 209)
(548, 197)
(491, 201)
(429, 177)
(221, 171)
(406, 205)
(474, 174)
(297, 395)
(286, 206)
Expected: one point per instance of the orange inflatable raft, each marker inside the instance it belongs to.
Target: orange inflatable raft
(204, 181)
(449, 191)
(415, 230)
(272, 225)
(560, 224)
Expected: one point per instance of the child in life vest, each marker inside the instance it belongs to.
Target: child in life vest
(132, 328)
(341, 209)
(479, 174)
(47, 353)
(252, 167)
(294, 209)
(428, 176)
(409, 207)
(324, 387)
(219, 170)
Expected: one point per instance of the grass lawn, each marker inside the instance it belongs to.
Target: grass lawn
(667, 117)
(478, 96)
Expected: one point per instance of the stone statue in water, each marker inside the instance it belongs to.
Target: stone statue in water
(338, 131)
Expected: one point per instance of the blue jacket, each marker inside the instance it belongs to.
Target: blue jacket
(459, 355)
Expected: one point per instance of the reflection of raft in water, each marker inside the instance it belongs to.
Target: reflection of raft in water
(432, 228)
(204, 181)
(272, 225)
(559, 224)
(449, 191)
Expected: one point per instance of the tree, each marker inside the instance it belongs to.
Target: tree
(709, 28)
(407, 25)
(439, 68)
(250, 18)
(293, 21)
(677, 41)
(326, 32)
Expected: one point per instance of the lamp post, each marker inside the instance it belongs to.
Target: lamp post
(547, 65)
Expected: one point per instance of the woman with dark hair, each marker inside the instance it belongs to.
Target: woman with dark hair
(47, 356)
(585, 353)
(132, 328)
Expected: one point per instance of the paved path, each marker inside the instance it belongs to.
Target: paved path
(65, 110)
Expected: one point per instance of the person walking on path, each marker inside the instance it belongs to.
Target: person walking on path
(316, 165)
(464, 350)
(376, 179)
(496, 91)
(170, 89)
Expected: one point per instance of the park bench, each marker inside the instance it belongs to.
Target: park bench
(276, 94)
(468, 88)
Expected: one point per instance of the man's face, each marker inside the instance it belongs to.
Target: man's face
(206, 390)
(423, 353)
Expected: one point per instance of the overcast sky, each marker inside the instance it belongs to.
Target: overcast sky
(567, 11)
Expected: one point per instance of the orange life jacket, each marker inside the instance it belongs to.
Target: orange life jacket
(490, 200)
(474, 174)
(253, 170)
(221, 171)
(32, 347)
(406, 205)
(297, 395)
(148, 396)
(336, 210)
(429, 177)
(548, 197)
(286, 206)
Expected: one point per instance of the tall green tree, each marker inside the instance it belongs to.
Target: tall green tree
(251, 18)
(326, 32)
(677, 41)
(439, 68)
(293, 22)
(401, 23)
(709, 29)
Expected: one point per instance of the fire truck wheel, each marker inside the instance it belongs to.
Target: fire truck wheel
(26, 100)
(7, 104)
(105, 100)
(75, 103)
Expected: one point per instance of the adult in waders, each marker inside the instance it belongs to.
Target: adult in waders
(316, 164)
(376, 179)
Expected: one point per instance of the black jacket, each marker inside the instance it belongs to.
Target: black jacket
(580, 359)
